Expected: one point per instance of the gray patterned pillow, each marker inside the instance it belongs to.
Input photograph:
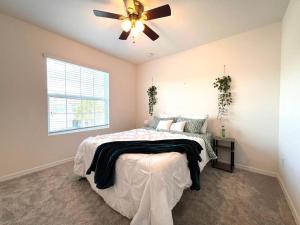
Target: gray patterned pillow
(192, 125)
(154, 122)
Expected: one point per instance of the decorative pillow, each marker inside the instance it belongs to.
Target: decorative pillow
(179, 126)
(192, 125)
(164, 125)
(154, 122)
(199, 116)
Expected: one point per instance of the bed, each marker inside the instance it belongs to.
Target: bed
(147, 186)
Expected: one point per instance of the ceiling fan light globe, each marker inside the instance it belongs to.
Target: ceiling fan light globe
(134, 32)
(126, 25)
(139, 26)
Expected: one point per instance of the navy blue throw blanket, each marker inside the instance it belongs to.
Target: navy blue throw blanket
(106, 156)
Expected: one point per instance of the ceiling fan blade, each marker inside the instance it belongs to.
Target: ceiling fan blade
(150, 33)
(126, 5)
(124, 35)
(139, 7)
(108, 15)
(158, 12)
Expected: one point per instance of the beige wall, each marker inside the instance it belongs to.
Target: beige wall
(184, 82)
(289, 126)
(23, 95)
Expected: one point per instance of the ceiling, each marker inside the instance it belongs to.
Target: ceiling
(193, 22)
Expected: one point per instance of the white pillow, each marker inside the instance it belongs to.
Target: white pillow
(179, 126)
(164, 125)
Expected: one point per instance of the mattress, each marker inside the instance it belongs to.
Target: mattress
(147, 186)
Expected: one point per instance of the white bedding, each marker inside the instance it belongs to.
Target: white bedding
(147, 186)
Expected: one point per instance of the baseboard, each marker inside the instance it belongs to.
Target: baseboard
(289, 200)
(256, 170)
(34, 169)
(253, 169)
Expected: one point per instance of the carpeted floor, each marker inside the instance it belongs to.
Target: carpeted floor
(57, 197)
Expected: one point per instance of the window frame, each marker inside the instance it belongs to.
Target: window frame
(76, 97)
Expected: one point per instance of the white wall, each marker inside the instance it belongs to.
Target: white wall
(289, 126)
(185, 85)
(24, 140)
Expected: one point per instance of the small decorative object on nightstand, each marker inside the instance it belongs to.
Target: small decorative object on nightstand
(226, 144)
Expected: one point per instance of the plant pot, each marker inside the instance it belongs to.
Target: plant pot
(223, 132)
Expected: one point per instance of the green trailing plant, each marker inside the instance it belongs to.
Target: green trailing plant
(152, 92)
(223, 85)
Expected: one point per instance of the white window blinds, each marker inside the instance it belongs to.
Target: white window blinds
(78, 97)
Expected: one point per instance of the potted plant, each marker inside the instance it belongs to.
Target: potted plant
(223, 84)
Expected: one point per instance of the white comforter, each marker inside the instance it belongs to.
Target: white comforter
(147, 186)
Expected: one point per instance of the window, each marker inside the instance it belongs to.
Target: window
(77, 97)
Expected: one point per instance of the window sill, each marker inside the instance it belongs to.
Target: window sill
(78, 130)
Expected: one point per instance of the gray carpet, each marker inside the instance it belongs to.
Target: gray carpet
(56, 197)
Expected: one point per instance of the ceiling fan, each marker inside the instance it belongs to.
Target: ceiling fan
(134, 22)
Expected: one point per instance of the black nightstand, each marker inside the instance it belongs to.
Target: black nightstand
(224, 144)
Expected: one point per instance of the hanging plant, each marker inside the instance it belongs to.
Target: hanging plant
(152, 92)
(223, 85)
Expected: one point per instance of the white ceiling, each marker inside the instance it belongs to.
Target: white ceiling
(193, 22)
